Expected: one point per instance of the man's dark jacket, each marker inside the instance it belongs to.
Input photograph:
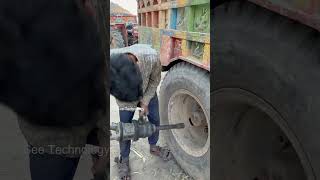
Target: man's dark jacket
(51, 71)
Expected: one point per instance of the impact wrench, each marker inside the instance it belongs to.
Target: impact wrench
(140, 128)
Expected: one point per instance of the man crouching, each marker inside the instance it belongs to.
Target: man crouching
(148, 62)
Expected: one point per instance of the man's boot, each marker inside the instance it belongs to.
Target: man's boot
(123, 168)
(162, 152)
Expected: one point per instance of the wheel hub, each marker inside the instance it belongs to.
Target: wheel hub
(197, 118)
(186, 108)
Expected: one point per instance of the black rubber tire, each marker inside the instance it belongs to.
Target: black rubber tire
(195, 81)
(116, 39)
(277, 60)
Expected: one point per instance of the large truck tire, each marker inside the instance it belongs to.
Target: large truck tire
(184, 98)
(266, 95)
(116, 39)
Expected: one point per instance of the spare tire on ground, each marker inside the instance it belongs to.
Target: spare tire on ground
(116, 39)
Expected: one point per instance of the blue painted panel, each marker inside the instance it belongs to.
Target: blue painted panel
(173, 18)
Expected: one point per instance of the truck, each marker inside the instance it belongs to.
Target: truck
(266, 88)
(122, 23)
(123, 34)
(180, 32)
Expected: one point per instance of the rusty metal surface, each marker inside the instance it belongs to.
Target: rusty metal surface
(305, 11)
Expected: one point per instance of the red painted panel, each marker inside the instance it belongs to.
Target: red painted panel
(177, 50)
(166, 50)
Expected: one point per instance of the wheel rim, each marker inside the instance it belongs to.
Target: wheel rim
(265, 146)
(185, 108)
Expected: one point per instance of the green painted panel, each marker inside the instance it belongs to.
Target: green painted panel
(196, 2)
(150, 36)
(147, 35)
(201, 21)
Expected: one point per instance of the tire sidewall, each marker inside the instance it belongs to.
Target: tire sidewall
(193, 82)
(277, 72)
(117, 39)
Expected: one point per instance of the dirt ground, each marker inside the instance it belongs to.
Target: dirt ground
(143, 164)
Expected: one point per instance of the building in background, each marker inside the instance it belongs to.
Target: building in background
(121, 15)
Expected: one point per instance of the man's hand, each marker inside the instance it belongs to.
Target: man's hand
(145, 110)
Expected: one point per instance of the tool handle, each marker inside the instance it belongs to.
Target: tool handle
(171, 126)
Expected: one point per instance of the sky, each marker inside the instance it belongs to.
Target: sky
(130, 5)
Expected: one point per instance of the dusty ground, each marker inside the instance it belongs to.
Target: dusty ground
(143, 164)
